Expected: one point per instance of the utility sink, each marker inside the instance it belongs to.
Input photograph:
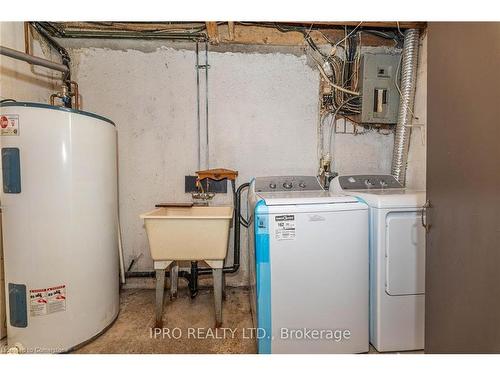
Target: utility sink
(188, 233)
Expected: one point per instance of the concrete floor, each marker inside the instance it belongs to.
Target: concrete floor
(132, 331)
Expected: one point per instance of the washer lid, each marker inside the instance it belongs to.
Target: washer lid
(379, 191)
(305, 197)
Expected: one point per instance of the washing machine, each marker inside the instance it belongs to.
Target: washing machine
(397, 259)
(308, 267)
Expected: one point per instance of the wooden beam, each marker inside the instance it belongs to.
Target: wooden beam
(248, 33)
(260, 35)
(213, 32)
(230, 30)
(372, 24)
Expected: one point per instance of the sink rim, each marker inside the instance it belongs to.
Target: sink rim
(225, 212)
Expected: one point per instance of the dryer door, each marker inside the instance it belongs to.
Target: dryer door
(404, 253)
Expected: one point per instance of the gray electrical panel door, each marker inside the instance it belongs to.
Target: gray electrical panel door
(380, 101)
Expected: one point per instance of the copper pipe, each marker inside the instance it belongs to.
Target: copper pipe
(27, 44)
(75, 93)
(64, 94)
(52, 98)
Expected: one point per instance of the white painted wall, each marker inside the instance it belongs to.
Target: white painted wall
(18, 79)
(263, 121)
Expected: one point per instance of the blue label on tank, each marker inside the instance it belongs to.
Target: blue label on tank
(18, 308)
(11, 170)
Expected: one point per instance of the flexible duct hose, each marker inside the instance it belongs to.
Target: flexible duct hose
(406, 101)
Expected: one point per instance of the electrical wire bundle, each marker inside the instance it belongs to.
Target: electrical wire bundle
(339, 69)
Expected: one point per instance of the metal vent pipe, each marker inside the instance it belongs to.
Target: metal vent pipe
(408, 84)
(33, 59)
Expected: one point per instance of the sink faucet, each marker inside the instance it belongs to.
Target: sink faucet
(201, 197)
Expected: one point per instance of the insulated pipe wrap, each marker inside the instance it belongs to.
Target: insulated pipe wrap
(408, 84)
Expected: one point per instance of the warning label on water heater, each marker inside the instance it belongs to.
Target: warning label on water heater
(47, 301)
(285, 227)
(9, 125)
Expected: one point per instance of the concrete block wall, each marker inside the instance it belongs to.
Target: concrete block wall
(263, 113)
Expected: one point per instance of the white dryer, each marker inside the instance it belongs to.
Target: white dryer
(308, 267)
(397, 259)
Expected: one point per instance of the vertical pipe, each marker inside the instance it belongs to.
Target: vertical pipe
(197, 66)
(66, 60)
(27, 44)
(408, 83)
(206, 105)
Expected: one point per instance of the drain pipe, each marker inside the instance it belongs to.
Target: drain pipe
(237, 236)
(406, 101)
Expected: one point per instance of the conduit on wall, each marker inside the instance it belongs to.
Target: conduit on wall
(407, 98)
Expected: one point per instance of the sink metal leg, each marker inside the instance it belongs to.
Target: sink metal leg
(174, 280)
(160, 268)
(160, 286)
(224, 296)
(217, 276)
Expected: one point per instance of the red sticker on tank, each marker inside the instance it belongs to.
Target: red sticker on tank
(4, 122)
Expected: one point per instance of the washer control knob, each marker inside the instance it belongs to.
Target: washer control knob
(302, 185)
(287, 185)
(272, 185)
(368, 183)
(383, 183)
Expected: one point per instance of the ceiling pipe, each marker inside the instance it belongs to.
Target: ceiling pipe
(18, 55)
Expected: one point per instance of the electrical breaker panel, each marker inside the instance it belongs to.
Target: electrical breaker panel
(378, 77)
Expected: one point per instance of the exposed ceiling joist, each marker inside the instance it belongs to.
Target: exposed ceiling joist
(213, 32)
(373, 24)
(251, 33)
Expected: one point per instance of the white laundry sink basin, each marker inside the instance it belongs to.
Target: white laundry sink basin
(188, 233)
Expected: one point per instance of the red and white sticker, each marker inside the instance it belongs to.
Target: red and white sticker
(48, 300)
(9, 125)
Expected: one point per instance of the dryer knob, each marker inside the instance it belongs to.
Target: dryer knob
(287, 185)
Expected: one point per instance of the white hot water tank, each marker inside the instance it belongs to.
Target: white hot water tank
(59, 208)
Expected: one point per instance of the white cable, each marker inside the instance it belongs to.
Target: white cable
(347, 36)
(340, 88)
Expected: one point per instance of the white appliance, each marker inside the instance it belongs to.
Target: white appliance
(308, 267)
(59, 210)
(397, 259)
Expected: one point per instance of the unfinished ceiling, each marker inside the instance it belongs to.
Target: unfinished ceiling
(265, 33)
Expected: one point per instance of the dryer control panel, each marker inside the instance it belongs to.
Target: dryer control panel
(369, 181)
(287, 183)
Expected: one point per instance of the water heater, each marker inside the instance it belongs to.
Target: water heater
(59, 213)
